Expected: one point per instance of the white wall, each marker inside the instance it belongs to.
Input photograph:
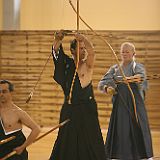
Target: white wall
(100, 14)
(1, 14)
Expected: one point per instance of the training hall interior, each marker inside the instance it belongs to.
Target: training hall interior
(27, 29)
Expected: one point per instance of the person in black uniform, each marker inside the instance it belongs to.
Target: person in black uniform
(127, 138)
(11, 120)
(80, 138)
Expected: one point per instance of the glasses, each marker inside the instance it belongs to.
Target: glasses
(4, 91)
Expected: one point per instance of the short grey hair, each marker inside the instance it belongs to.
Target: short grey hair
(130, 45)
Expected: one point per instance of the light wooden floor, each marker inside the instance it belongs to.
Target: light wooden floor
(41, 150)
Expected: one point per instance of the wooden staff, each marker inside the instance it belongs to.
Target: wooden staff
(54, 128)
(7, 140)
(77, 64)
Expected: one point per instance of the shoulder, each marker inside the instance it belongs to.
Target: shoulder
(19, 111)
(140, 65)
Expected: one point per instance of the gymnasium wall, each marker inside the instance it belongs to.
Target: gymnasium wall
(23, 55)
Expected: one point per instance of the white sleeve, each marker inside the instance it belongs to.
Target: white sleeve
(55, 54)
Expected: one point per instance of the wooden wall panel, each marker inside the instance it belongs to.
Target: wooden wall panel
(24, 53)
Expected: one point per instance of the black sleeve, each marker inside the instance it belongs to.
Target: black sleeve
(60, 66)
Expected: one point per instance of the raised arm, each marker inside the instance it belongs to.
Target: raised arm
(58, 40)
(89, 49)
(58, 58)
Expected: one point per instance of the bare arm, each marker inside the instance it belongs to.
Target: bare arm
(91, 53)
(89, 49)
(35, 130)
